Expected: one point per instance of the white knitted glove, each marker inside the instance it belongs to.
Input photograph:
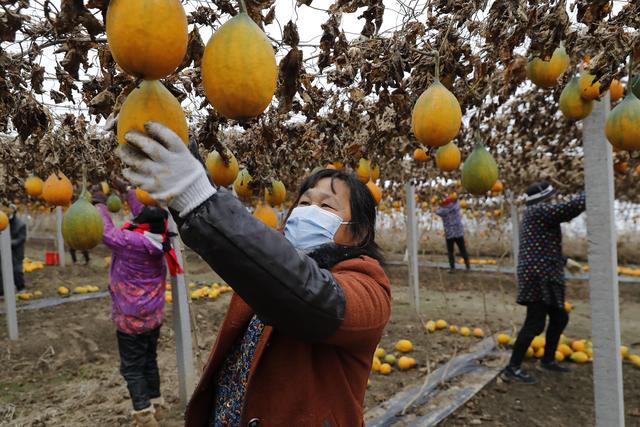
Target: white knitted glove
(160, 163)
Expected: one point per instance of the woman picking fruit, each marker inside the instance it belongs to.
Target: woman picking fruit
(309, 307)
(137, 285)
(541, 285)
(449, 211)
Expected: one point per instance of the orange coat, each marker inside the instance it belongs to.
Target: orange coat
(297, 383)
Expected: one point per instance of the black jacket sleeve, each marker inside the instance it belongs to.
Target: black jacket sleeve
(286, 289)
(564, 212)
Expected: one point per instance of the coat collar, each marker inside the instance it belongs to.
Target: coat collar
(330, 254)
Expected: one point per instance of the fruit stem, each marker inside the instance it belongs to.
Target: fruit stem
(630, 71)
(243, 8)
(437, 65)
(476, 136)
(222, 150)
(84, 178)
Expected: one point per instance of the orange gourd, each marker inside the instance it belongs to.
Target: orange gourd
(375, 172)
(4, 221)
(276, 195)
(376, 192)
(615, 90)
(572, 105)
(589, 89)
(621, 167)
(266, 214)
(33, 186)
(57, 190)
(622, 126)
(147, 38)
(105, 187)
(545, 73)
(448, 157)
(222, 174)
(436, 117)
(239, 70)
(241, 185)
(420, 155)
(363, 171)
(151, 101)
(145, 198)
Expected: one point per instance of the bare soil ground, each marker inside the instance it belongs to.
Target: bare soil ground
(64, 368)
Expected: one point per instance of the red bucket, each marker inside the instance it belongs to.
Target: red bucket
(51, 258)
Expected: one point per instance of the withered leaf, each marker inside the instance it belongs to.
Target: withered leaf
(37, 78)
(102, 103)
(289, 78)
(290, 34)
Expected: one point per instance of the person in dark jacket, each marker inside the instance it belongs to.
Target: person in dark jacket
(449, 211)
(18, 230)
(297, 343)
(541, 286)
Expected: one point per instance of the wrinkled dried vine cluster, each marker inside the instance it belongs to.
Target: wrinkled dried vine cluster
(345, 100)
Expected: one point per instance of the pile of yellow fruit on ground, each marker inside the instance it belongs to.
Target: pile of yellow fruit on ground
(27, 296)
(64, 291)
(627, 271)
(85, 289)
(432, 326)
(28, 266)
(578, 351)
(197, 292)
(384, 362)
(479, 261)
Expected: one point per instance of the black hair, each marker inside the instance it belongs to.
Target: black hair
(362, 203)
(155, 216)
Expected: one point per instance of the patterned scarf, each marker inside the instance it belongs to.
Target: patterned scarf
(169, 252)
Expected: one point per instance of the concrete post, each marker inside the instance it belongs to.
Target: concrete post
(412, 244)
(603, 276)
(8, 285)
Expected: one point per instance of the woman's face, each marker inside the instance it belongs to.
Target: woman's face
(337, 202)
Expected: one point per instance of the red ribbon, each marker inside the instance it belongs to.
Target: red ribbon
(169, 254)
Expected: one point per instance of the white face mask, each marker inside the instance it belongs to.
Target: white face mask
(311, 226)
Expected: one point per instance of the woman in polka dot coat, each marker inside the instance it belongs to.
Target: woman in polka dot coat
(541, 286)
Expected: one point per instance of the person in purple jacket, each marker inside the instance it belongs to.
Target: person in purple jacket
(137, 286)
(449, 211)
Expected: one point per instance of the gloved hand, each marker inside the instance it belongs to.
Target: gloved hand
(119, 184)
(574, 267)
(97, 195)
(160, 163)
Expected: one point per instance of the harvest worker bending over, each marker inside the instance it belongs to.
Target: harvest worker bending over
(449, 211)
(541, 276)
(137, 285)
(309, 307)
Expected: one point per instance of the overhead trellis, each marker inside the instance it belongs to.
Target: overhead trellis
(338, 100)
